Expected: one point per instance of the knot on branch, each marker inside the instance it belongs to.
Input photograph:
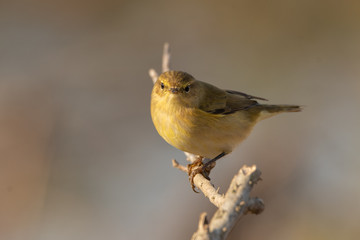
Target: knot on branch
(255, 206)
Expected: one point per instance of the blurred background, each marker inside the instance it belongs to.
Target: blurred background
(80, 158)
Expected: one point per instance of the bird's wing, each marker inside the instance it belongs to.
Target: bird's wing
(213, 99)
(245, 95)
(217, 101)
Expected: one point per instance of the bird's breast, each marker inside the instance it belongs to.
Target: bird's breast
(195, 131)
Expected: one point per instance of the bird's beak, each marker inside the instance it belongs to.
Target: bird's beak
(174, 90)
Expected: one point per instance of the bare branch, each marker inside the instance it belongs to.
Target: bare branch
(204, 185)
(208, 189)
(236, 202)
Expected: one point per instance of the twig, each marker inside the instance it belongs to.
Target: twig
(234, 204)
(203, 229)
(166, 58)
(153, 74)
(209, 191)
(179, 166)
(165, 63)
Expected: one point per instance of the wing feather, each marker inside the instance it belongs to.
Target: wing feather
(218, 101)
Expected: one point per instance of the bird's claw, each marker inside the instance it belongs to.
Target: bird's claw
(198, 167)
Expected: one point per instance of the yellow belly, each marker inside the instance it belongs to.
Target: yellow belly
(195, 131)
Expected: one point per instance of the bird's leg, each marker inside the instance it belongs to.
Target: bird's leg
(209, 163)
(198, 167)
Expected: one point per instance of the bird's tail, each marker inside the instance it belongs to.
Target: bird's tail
(271, 110)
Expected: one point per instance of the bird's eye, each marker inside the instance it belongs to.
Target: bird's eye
(187, 88)
(162, 86)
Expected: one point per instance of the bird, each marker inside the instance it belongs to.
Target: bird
(202, 119)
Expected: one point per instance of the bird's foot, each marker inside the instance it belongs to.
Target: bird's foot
(198, 167)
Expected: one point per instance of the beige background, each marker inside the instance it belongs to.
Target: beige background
(80, 158)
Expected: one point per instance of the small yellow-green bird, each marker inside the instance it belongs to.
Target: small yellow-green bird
(201, 119)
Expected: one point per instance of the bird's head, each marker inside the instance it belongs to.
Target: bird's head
(174, 82)
(178, 86)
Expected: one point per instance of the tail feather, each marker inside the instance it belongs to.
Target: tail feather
(271, 110)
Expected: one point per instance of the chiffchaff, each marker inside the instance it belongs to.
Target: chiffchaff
(201, 119)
